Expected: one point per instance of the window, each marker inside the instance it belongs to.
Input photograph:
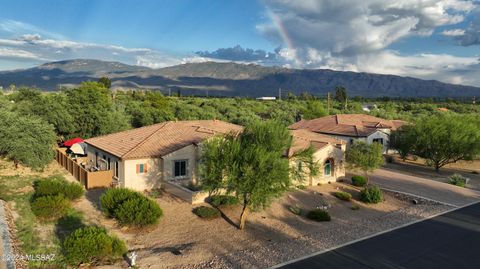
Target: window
(116, 169)
(141, 168)
(108, 164)
(327, 168)
(96, 159)
(180, 168)
(351, 141)
(378, 140)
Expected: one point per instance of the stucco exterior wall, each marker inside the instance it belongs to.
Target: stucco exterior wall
(335, 154)
(384, 134)
(142, 181)
(189, 153)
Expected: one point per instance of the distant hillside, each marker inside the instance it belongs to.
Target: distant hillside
(230, 79)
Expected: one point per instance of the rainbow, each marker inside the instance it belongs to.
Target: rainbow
(283, 33)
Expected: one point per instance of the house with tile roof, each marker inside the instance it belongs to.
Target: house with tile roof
(329, 154)
(352, 127)
(169, 152)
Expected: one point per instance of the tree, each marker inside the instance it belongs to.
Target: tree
(307, 167)
(26, 140)
(313, 109)
(341, 95)
(106, 82)
(445, 139)
(251, 165)
(93, 111)
(403, 140)
(365, 157)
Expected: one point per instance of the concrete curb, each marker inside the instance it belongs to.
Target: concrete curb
(420, 197)
(7, 256)
(370, 236)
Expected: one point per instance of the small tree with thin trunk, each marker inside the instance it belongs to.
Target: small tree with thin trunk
(306, 168)
(365, 157)
(250, 165)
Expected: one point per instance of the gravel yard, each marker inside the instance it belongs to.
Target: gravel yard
(272, 236)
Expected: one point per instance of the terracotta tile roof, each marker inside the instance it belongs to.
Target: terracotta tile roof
(302, 139)
(358, 125)
(160, 139)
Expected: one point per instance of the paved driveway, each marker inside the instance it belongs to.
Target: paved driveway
(449, 241)
(434, 190)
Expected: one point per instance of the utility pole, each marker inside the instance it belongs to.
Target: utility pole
(169, 92)
(279, 93)
(328, 103)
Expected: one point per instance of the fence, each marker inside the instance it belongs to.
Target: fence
(95, 179)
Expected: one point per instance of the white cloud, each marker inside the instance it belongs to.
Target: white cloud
(356, 35)
(18, 54)
(34, 47)
(453, 32)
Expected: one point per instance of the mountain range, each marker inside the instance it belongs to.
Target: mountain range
(229, 79)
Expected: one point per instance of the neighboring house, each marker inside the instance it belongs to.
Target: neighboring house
(144, 157)
(369, 107)
(352, 127)
(329, 155)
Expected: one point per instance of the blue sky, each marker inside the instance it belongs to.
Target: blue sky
(433, 39)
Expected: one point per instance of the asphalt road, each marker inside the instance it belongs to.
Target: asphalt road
(423, 187)
(450, 240)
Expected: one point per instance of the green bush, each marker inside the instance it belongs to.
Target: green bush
(295, 210)
(458, 180)
(138, 212)
(223, 200)
(345, 196)
(92, 244)
(359, 181)
(55, 186)
(206, 212)
(319, 215)
(50, 207)
(371, 194)
(355, 207)
(301, 187)
(113, 198)
(130, 207)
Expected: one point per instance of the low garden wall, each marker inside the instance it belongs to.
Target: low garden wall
(191, 197)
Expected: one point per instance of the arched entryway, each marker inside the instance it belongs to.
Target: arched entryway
(328, 168)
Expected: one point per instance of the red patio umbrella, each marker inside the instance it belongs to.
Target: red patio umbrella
(72, 141)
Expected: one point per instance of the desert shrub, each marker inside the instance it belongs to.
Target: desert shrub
(206, 212)
(155, 193)
(50, 207)
(458, 180)
(345, 196)
(301, 187)
(371, 194)
(113, 198)
(56, 186)
(223, 200)
(139, 211)
(130, 207)
(92, 244)
(359, 181)
(355, 207)
(319, 215)
(295, 210)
